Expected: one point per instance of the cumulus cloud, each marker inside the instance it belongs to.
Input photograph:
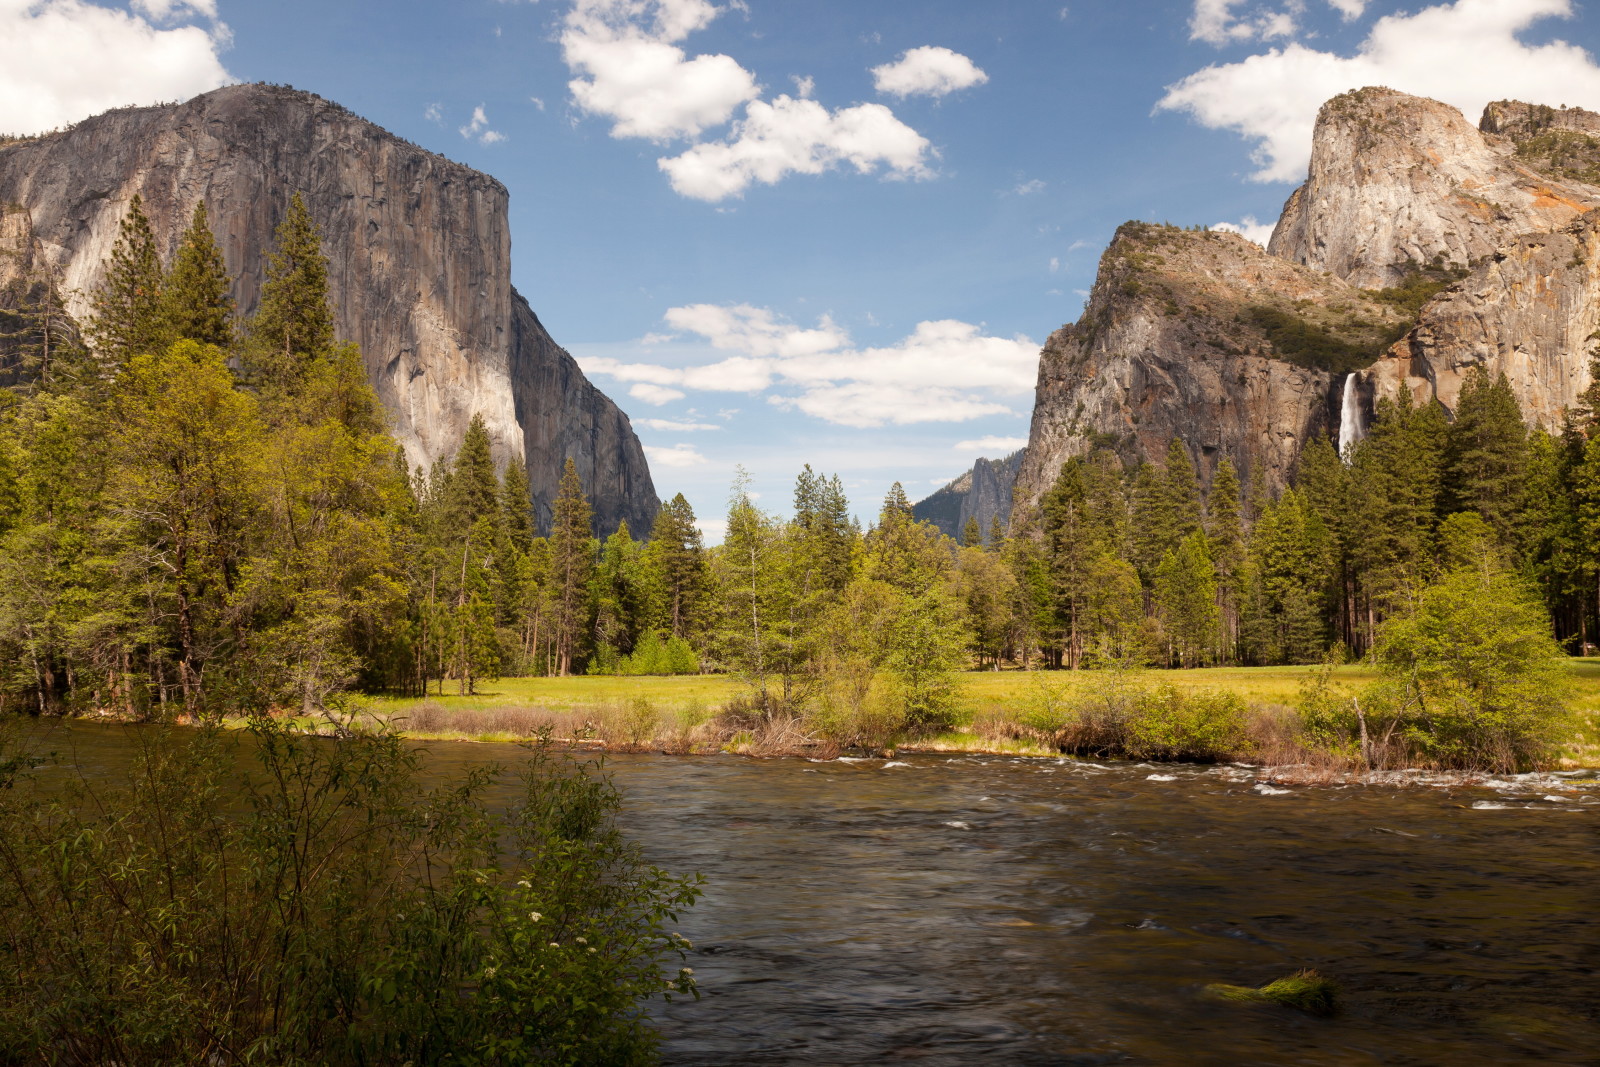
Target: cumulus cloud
(68, 59)
(478, 128)
(1028, 188)
(1441, 52)
(630, 67)
(631, 70)
(1249, 229)
(674, 426)
(944, 371)
(676, 456)
(992, 444)
(797, 136)
(927, 71)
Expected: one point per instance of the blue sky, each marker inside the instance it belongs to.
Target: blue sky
(831, 232)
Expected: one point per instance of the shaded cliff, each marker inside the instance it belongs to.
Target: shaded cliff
(1398, 180)
(419, 266)
(1200, 335)
(983, 493)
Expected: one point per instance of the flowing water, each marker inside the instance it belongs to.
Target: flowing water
(969, 909)
(1352, 426)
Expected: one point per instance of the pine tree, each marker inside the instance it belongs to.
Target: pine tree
(474, 487)
(971, 535)
(1166, 507)
(129, 311)
(997, 534)
(197, 304)
(516, 507)
(1225, 526)
(1486, 455)
(1186, 597)
(571, 563)
(293, 326)
(674, 563)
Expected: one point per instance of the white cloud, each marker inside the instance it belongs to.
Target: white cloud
(1441, 52)
(945, 371)
(797, 136)
(992, 445)
(676, 456)
(712, 531)
(673, 426)
(536, 102)
(803, 86)
(433, 113)
(1028, 188)
(1055, 264)
(1249, 229)
(631, 70)
(166, 10)
(927, 71)
(651, 393)
(67, 59)
(478, 129)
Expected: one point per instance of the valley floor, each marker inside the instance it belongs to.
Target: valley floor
(606, 710)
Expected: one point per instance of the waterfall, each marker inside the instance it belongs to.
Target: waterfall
(1351, 428)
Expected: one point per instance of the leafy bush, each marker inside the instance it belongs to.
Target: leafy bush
(286, 899)
(1473, 681)
(1195, 724)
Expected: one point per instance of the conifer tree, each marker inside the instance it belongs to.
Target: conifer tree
(129, 311)
(1486, 455)
(997, 534)
(474, 487)
(971, 535)
(1186, 596)
(197, 304)
(1225, 526)
(294, 323)
(571, 563)
(675, 566)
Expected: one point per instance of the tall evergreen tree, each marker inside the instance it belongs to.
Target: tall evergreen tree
(1486, 455)
(474, 487)
(129, 311)
(294, 324)
(197, 304)
(675, 567)
(571, 563)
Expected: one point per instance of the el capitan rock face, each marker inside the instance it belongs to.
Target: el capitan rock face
(1492, 230)
(419, 266)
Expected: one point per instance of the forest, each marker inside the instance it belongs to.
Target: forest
(202, 516)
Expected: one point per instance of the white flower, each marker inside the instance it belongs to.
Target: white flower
(581, 941)
(534, 916)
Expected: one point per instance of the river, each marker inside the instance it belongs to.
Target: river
(971, 909)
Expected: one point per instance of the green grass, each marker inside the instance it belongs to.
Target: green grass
(992, 694)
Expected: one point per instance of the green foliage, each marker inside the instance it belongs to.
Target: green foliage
(1308, 344)
(1420, 284)
(1474, 678)
(129, 311)
(196, 303)
(293, 325)
(288, 899)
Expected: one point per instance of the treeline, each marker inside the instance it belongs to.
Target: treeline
(1141, 565)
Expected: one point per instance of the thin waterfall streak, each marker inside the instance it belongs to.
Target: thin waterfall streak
(1350, 428)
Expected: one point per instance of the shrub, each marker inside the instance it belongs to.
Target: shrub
(1473, 678)
(1196, 724)
(280, 898)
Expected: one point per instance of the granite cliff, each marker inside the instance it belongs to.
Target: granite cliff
(419, 271)
(982, 493)
(1419, 247)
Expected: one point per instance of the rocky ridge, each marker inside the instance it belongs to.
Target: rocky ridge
(983, 493)
(419, 266)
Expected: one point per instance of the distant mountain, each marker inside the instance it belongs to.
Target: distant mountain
(983, 493)
(1418, 248)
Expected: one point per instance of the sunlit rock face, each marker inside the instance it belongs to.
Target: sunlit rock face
(1183, 336)
(1397, 180)
(1174, 341)
(419, 266)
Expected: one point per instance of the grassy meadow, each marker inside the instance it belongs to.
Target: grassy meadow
(670, 712)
